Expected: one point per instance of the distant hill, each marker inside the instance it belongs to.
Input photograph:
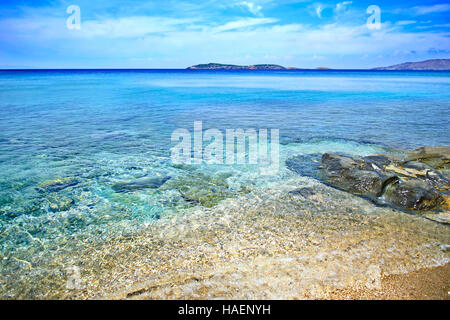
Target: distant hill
(432, 65)
(235, 67)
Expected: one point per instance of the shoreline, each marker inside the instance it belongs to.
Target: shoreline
(431, 283)
(423, 284)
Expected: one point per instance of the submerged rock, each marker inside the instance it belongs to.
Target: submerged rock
(205, 190)
(410, 185)
(31, 207)
(353, 175)
(413, 195)
(418, 170)
(437, 157)
(378, 161)
(139, 184)
(58, 203)
(336, 164)
(305, 165)
(304, 192)
(363, 182)
(58, 184)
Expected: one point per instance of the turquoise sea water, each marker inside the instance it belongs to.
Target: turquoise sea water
(90, 130)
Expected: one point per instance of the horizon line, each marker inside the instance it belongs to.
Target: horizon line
(218, 69)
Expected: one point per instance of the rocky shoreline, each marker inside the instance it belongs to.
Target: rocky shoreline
(418, 181)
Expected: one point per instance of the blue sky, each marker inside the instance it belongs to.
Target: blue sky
(180, 33)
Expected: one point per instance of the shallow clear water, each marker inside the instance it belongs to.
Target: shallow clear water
(93, 129)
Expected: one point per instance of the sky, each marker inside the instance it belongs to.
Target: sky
(181, 33)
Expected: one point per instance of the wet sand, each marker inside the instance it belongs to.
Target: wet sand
(424, 284)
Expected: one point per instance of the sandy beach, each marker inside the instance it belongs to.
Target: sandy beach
(423, 284)
(247, 249)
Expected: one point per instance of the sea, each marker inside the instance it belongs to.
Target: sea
(92, 203)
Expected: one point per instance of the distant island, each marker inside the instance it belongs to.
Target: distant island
(235, 67)
(428, 65)
(431, 65)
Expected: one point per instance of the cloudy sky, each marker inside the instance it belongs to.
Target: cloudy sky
(180, 33)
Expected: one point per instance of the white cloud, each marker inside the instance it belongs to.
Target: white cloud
(444, 25)
(252, 7)
(238, 24)
(341, 5)
(405, 22)
(432, 9)
(132, 26)
(127, 27)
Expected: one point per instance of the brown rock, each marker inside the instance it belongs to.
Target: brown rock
(437, 157)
